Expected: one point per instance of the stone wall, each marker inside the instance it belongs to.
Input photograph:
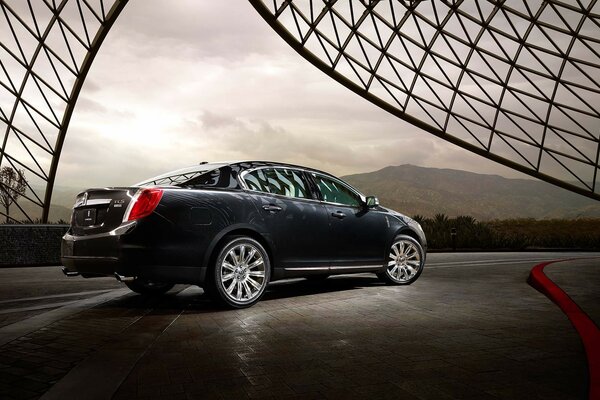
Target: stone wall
(30, 244)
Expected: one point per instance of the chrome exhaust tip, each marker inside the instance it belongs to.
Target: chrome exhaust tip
(69, 273)
(124, 279)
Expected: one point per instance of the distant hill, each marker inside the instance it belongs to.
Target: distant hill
(428, 191)
(63, 198)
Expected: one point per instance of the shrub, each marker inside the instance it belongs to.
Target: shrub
(514, 234)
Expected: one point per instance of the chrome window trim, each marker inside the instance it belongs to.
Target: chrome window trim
(308, 171)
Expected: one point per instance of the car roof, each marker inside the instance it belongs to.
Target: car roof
(250, 164)
(243, 164)
(211, 166)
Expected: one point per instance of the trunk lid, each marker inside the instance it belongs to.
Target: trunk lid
(100, 210)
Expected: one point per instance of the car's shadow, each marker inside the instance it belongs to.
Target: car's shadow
(304, 287)
(193, 298)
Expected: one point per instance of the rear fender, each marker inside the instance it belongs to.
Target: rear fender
(232, 230)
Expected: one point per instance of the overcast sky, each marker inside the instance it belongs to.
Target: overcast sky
(176, 83)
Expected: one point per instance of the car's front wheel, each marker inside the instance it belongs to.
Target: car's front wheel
(144, 286)
(405, 261)
(241, 272)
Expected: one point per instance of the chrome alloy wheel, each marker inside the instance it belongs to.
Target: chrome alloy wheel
(242, 273)
(404, 261)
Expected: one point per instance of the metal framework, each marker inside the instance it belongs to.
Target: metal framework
(46, 50)
(514, 81)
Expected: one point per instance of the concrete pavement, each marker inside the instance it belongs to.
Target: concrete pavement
(470, 327)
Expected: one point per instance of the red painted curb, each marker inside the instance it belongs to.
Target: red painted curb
(585, 327)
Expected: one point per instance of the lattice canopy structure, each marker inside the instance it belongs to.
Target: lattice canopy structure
(46, 50)
(514, 81)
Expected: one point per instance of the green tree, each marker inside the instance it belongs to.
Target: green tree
(12, 186)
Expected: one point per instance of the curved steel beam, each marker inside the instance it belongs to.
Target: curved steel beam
(111, 17)
(65, 36)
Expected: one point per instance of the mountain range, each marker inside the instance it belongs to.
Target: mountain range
(424, 191)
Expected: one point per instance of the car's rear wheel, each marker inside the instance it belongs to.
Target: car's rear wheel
(144, 286)
(405, 261)
(241, 273)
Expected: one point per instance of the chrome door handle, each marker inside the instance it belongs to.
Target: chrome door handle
(271, 208)
(338, 214)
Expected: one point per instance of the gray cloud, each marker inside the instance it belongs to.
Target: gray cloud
(192, 29)
(90, 106)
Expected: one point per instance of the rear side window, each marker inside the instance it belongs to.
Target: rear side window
(335, 192)
(281, 181)
(256, 180)
(286, 182)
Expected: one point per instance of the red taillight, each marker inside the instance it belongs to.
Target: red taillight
(144, 203)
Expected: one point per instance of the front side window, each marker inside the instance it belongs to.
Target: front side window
(335, 192)
(286, 182)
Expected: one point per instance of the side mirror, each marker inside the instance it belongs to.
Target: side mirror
(372, 201)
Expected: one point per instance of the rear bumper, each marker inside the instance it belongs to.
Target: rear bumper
(100, 266)
(118, 252)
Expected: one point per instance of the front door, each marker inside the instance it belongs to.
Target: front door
(357, 233)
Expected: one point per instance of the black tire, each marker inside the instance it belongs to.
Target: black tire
(409, 262)
(239, 290)
(146, 287)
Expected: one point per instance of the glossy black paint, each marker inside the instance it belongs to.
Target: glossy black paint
(179, 240)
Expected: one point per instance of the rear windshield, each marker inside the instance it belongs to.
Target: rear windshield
(195, 178)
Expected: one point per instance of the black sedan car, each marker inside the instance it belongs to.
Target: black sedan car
(233, 227)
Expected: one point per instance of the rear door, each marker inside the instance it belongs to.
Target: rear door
(297, 222)
(357, 233)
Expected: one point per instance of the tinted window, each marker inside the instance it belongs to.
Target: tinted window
(207, 179)
(334, 192)
(256, 180)
(286, 182)
(181, 176)
(194, 179)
